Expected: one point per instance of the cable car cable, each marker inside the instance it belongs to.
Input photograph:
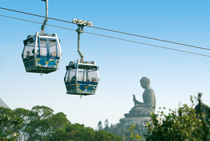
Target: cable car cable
(151, 38)
(148, 44)
(112, 30)
(36, 22)
(35, 15)
(112, 37)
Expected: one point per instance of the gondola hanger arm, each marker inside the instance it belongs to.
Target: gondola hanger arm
(46, 17)
(79, 30)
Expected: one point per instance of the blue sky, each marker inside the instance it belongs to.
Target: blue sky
(174, 75)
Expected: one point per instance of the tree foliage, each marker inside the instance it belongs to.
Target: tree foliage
(40, 123)
(10, 124)
(129, 133)
(100, 127)
(134, 133)
(186, 124)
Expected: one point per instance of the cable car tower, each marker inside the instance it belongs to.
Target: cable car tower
(42, 52)
(81, 76)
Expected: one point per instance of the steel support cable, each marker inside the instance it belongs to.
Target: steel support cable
(152, 38)
(113, 37)
(148, 44)
(112, 30)
(36, 22)
(35, 15)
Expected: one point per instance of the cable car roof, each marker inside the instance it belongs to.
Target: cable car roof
(83, 66)
(28, 40)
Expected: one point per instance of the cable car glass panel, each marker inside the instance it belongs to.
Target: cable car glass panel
(87, 73)
(70, 79)
(43, 47)
(93, 75)
(58, 49)
(28, 51)
(81, 75)
(28, 54)
(48, 53)
(53, 48)
(87, 79)
(37, 50)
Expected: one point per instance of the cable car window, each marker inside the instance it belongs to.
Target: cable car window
(37, 49)
(81, 75)
(28, 51)
(67, 78)
(93, 75)
(53, 48)
(58, 50)
(43, 47)
(71, 75)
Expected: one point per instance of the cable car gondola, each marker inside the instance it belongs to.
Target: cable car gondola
(42, 52)
(81, 77)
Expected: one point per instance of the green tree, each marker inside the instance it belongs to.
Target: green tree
(100, 125)
(10, 124)
(133, 133)
(23, 114)
(183, 124)
(101, 135)
(60, 135)
(40, 125)
(106, 124)
(79, 132)
(59, 121)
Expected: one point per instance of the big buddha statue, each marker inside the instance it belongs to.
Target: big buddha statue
(145, 108)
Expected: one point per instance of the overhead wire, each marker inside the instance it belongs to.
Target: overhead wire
(148, 44)
(131, 34)
(110, 37)
(153, 38)
(34, 15)
(35, 22)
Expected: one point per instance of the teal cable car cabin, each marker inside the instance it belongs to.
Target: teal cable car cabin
(41, 53)
(81, 78)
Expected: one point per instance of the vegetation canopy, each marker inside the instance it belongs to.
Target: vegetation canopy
(40, 123)
(184, 124)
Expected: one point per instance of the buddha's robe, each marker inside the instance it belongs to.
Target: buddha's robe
(149, 102)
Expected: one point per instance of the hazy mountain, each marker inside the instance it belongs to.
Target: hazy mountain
(2, 104)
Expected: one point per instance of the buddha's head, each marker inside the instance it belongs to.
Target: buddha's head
(145, 82)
